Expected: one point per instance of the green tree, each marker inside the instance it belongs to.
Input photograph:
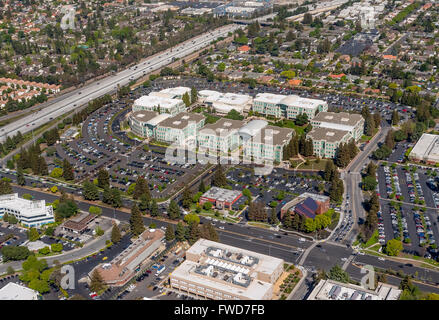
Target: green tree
(219, 178)
(136, 222)
(56, 247)
(393, 247)
(21, 181)
(395, 117)
(202, 187)
(170, 233)
(180, 232)
(186, 99)
(5, 187)
(96, 281)
(103, 178)
(56, 173)
(115, 234)
(186, 198)
(67, 170)
(338, 274)
(90, 191)
(194, 95)
(95, 210)
(173, 210)
(33, 234)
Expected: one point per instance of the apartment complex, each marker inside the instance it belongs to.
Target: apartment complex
(31, 213)
(217, 271)
(263, 142)
(160, 104)
(282, 106)
(330, 129)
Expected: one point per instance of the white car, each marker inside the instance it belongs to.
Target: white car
(381, 259)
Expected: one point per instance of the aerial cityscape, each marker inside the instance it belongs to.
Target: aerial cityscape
(219, 150)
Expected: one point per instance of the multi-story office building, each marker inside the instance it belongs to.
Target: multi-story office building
(263, 142)
(159, 104)
(326, 141)
(352, 123)
(181, 129)
(31, 213)
(172, 93)
(281, 106)
(143, 123)
(223, 103)
(216, 271)
(221, 136)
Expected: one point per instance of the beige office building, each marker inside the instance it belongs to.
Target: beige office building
(217, 271)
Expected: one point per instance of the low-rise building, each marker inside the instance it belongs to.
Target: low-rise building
(31, 213)
(122, 268)
(426, 149)
(172, 93)
(326, 141)
(282, 106)
(79, 223)
(334, 290)
(318, 204)
(14, 291)
(221, 198)
(217, 271)
(352, 123)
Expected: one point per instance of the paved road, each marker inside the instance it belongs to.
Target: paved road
(352, 179)
(110, 84)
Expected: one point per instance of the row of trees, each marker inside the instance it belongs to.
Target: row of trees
(345, 153)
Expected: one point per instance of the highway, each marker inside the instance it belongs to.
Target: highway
(81, 96)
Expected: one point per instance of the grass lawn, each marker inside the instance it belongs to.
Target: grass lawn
(373, 239)
(289, 124)
(259, 224)
(313, 165)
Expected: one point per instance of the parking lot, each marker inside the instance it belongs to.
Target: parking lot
(413, 217)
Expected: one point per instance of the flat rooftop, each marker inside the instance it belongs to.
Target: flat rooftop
(151, 101)
(14, 291)
(427, 148)
(328, 135)
(223, 125)
(334, 290)
(227, 268)
(273, 135)
(144, 115)
(181, 120)
(342, 118)
(221, 194)
(269, 97)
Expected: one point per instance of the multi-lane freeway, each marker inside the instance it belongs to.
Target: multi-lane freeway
(81, 96)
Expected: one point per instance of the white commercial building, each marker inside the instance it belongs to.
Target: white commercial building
(342, 121)
(14, 291)
(334, 290)
(426, 149)
(224, 103)
(289, 107)
(217, 271)
(31, 213)
(160, 104)
(172, 93)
